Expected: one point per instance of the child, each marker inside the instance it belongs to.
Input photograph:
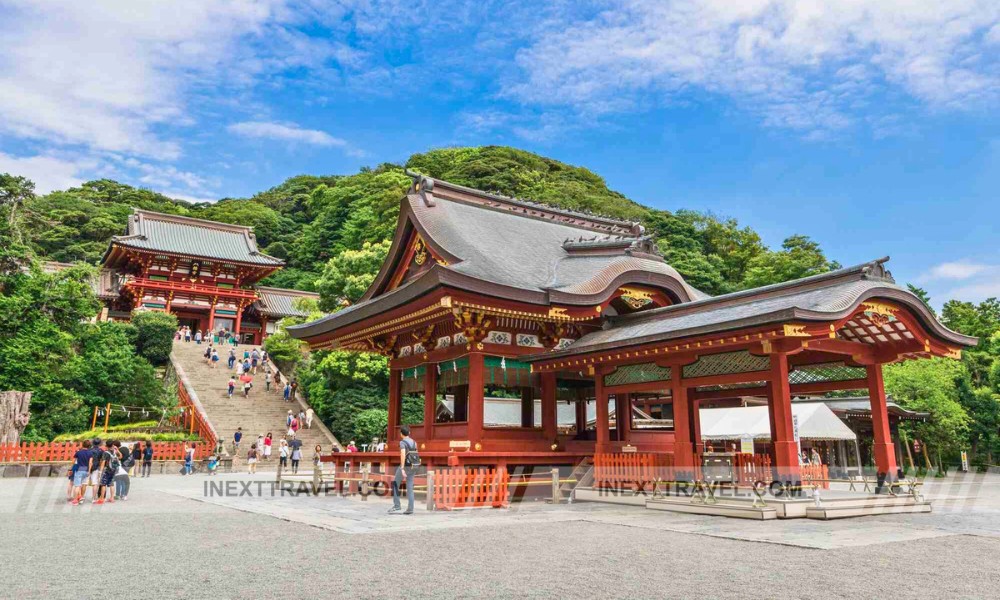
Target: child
(213, 463)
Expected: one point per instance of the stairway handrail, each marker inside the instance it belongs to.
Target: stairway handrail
(182, 379)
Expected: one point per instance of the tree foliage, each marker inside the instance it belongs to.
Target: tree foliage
(154, 335)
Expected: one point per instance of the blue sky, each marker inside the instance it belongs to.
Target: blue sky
(869, 126)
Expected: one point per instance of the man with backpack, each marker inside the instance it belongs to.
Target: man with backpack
(409, 460)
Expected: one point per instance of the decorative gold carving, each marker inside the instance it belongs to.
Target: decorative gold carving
(383, 346)
(474, 325)
(424, 314)
(558, 313)
(419, 251)
(953, 353)
(636, 298)
(879, 313)
(795, 331)
(549, 334)
(833, 332)
(927, 345)
(766, 345)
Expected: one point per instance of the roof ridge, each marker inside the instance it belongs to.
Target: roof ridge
(194, 221)
(425, 185)
(873, 270)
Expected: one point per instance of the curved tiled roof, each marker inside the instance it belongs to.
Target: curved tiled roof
(822, 297)
(278, 302)
(173, 234)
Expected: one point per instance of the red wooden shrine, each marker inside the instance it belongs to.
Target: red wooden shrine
(483, 295)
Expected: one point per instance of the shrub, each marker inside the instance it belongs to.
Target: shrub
(368, 424)
(155, 335)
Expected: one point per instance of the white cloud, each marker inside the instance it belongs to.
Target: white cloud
(807, 65)
(957, 270)
(286, 132)
(48, 172)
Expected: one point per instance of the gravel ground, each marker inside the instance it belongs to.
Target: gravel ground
(198, 550)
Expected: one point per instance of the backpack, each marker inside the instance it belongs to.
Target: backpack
(412, 457)
(113, 463)
(129, 462)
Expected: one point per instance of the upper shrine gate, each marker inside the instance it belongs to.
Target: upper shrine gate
(482, 292)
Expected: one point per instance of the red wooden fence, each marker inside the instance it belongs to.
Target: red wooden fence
(461, 487)
(820, 474)
(38, 452)
(751, 468)
(632, 470)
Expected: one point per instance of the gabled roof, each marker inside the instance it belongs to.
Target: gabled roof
(822, 297)
(862, 406)
(186, 236)
(511, 249)
(278, 302)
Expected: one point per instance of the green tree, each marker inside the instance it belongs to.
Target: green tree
(154, 335)
(932, 386)
(799, 257)
(369, 424)
(348, 275)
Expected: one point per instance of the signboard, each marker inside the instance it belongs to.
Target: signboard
(629, 449)
(459, 444)
(965, 461)
(795, 434)
(746, 445)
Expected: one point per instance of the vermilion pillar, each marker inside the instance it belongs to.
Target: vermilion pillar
(211, 317)
(603, 422)
(475, 426)
(623, 414)
(395, 404)
(779, 403)
(683, 450)
(549, 409)
(581, 412)
(430, 400)
(882, 446)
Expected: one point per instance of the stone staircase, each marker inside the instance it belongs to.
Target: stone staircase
(259, 414)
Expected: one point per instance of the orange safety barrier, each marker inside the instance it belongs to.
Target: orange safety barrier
(820, 474)
(632, 470)
(751, 468)
(461, 487)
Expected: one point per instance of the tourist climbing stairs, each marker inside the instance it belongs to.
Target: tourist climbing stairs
(264, 411)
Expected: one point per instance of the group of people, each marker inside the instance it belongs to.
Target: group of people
(222, 336)
(289, 450)
(106, 468)
(246, 368)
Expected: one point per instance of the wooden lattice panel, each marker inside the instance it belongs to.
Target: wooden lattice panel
(862, 329)
(725, 363)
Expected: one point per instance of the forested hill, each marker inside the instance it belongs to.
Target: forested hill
(308, 220)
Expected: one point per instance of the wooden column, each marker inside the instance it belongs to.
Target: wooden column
(527, 407)
(430, 400)
(623, 416)
(882, 446)
(239, 319)
(581, 412)
(694, 412)
(779, 403)
(461, 393)
(475, 401)
(211, 318)
(395, 405)
(603, 422)
(683, 449)
(549, 410)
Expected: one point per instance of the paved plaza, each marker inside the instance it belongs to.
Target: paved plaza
(172, 539)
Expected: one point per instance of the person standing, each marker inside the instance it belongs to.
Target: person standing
(252, 460)
(215, 359)
(288, 391)
(232, 386)
(309, 418)
(108, 466)
(136, 458)
(121, 480)
(232, 358)
(267, 446)
(296, 457)
(189, 459)
(283, 453)
(246, 388)
(267, 381)
(302, 418)
(147, 459)
(82, 463)
(187, 333)
(408, 460)
(236, 441)
(260, 444)
(254, 359)
(197, 337)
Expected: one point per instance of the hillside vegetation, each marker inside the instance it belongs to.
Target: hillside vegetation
(333, 232)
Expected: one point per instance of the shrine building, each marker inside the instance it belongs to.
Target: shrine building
(203, 272)
(484, 295)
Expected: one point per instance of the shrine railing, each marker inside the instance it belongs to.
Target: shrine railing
(57, 452)
(748, 469)
(193, 417)
(187, 286)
